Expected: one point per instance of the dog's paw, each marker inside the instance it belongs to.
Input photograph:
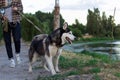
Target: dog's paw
(53, 72)
(46, 68)
(58, 71)
(30, 70)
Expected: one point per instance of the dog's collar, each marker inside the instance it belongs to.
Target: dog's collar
(62, 45)
(58, 45)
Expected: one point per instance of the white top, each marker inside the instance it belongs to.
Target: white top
(8, 11)
(8, 14)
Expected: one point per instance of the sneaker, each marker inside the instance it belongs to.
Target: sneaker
(18, 58)
(12, 63)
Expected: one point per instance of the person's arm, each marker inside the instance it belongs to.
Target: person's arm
(20, 6)
(2, 3)
(17, 6)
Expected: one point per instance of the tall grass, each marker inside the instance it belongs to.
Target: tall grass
(80, 63)
(94, 39)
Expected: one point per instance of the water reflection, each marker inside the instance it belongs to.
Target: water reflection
(108, 48)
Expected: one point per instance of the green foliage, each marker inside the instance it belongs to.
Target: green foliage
(94, 26)
(104, 23)
(117, 74)
(77, 32)
(103, 57)
(28, 30)
(44, 21)
(92, 62)
(67, 63)
(55, 77)
(83, 63)
(117, 31)
(96, 77)
(78, 29)
(95, 70)
(95, 39)
(59, 76)
(99, 26)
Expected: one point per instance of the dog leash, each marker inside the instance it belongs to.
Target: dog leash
(30, 22)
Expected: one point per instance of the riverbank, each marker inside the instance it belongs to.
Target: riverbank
(86, 66)
(95, 39)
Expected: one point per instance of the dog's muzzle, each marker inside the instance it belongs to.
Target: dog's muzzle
(69, 40)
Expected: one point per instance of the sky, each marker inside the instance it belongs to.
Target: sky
(74, 9)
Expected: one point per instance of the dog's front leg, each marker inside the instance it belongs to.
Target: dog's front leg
(50, 64)
(57, 59)
(44, 63)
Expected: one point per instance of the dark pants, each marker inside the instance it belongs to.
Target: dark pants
(15, 31)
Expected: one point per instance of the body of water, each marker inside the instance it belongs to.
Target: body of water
(108, 48)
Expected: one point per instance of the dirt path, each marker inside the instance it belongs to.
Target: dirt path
(20, 72)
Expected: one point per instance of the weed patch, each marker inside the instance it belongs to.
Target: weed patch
(98, 65)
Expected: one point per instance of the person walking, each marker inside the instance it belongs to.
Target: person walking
(11, 26)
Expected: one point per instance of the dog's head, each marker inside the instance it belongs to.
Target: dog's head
(62, 35)
(67, 35)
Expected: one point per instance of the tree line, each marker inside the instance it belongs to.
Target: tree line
(43, 21)
(98, 26)
(101, 26)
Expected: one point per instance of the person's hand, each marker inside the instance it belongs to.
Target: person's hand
(15, 8)
(4, 18)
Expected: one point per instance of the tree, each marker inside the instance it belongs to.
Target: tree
(78, 29)
(94, 22)
(90, 22)
(97, 24)
(44, 21)
(28, 30)
(104, 24)
(100, 26)
(110, 26)
(117, 31)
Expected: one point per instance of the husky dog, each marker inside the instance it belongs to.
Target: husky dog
(48, 48)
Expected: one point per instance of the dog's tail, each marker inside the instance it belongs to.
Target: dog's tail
(31, 53)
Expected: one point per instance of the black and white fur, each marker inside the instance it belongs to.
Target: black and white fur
(48, 48)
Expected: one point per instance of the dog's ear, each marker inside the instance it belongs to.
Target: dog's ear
(65, 25)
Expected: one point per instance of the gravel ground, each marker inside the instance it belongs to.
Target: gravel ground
(20, 72)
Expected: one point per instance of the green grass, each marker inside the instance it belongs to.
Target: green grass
(68, 63)
(95, 39)
(95, 70)
(59, 76)
(117, 74)
(85, 63)
(96, 77)
(102, 57)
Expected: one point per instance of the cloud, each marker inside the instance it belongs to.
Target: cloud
(74, 9)
(35, 5)
(82, 4)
